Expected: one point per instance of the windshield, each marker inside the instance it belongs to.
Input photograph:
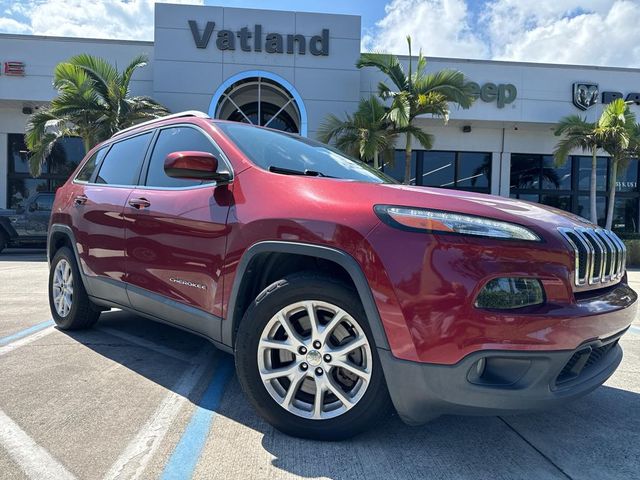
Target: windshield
(291, 154)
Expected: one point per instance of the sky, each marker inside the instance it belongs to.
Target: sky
(587, 32)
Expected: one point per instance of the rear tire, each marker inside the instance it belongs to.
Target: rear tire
(335, 387)
(68, 299)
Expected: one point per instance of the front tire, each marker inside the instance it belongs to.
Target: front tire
(306, 359)
(4, 240)
(68, 300)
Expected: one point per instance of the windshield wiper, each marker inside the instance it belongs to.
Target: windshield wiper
(288, 171)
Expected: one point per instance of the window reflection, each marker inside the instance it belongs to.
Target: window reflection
(64, 158)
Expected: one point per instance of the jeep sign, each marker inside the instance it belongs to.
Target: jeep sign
(503, 93)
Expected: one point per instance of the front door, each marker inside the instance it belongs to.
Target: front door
(175, 238)
(37, 215)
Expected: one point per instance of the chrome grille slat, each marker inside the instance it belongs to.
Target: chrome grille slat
(600, 256)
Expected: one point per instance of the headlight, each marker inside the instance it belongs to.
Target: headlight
(419, 219)
(508, 293)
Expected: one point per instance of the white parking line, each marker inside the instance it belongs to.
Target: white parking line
(169, 352)
(135, 458)
(26, 340)
(30, 457)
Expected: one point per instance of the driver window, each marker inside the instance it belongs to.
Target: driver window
(176, 139)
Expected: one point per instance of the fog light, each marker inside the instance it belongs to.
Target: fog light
(507, 293)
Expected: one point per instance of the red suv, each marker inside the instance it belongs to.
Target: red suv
(337, 289)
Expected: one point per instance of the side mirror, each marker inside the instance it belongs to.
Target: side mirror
(194, 166)
(33, 206)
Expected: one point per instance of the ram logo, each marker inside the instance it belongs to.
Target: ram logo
(585, 95)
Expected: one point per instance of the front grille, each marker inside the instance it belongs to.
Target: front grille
(600, 256)
(583, 360)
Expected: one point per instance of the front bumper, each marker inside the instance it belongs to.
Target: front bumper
(498, 382)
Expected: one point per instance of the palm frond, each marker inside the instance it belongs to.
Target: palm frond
(387, 64)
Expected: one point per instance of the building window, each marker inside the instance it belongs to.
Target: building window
(444, 169)
(64, 158)
(536, 178)
(260, 101)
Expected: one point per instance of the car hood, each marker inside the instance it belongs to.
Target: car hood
(529, 214)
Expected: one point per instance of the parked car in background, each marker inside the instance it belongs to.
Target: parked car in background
(338, 290)
(26, 226)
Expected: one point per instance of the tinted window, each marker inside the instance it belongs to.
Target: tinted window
(175, 140)
(439, 169)
(584, 173)
(525, 171)
(85, 174)
(474, 170)
(123, 162)
(394, 167)
(269, 148)
(43, 203)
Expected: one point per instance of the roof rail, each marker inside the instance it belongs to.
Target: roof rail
(187, 113)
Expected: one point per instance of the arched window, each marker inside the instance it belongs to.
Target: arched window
(260, 98)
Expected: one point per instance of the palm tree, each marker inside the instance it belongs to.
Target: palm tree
(366, 134)
(93, 103)
(616, 131)
(577, 133)
(416, 93)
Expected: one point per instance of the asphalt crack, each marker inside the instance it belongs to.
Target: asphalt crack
(542, 454)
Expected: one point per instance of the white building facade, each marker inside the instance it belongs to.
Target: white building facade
(289, 70)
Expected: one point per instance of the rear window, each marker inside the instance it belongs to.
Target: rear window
(270, 149)
(124, 160)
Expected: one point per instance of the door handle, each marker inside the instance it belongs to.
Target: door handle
(139, 203)
(80, 200)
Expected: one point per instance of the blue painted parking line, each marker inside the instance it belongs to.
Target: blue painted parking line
(25, 332)
(634, 329)
(184, 459)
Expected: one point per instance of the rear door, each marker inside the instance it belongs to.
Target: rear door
(175, 231)
(100, 194)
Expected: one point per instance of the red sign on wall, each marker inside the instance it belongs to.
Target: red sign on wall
(14, 69)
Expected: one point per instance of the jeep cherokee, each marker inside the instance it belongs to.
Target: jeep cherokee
(338, 291)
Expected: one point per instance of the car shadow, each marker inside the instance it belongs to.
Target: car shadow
(596, 436)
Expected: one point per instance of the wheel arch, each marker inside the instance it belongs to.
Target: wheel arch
(247, 276)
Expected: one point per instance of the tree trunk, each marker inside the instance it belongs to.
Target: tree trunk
(407, 161)
(612, 192)
(376, 163)
(592, 187)
(87, 143)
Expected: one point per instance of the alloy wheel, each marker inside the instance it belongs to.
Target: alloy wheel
(63, 288)
(314, 360)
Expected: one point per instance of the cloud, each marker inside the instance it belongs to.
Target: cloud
(439, 27)
(120, 19)
(597, 32)
(9, 25)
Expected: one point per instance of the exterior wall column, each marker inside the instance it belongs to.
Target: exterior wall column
(505, 173)
(495, 173)
(4, 169)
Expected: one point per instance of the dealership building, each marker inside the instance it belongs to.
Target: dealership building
(289, 70)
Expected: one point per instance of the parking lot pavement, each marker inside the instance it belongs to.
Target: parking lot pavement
(136, 399)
